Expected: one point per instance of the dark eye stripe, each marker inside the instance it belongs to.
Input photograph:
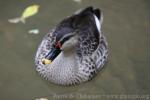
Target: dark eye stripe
(65, 38)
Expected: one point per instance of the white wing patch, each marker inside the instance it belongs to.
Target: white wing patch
(97, 23)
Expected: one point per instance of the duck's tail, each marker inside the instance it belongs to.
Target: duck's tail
(97, 13)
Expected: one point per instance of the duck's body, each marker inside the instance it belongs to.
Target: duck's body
(81, 50)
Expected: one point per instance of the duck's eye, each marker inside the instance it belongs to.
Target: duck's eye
(58, 45)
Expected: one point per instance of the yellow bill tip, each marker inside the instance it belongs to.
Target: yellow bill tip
(46, 61)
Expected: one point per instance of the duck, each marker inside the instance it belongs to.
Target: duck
(75, 50)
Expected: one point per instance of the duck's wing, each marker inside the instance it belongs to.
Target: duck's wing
(100, 55)
(92, 42)
(87, 24)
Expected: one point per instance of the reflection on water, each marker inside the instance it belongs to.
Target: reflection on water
(126, 26)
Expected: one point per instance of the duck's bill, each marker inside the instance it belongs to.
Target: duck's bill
(54, 52)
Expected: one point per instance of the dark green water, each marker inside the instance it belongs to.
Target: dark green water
(126, 26)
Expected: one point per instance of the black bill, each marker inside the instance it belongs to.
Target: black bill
(54, 52)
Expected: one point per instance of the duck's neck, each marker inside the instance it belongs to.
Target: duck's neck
(63, 68)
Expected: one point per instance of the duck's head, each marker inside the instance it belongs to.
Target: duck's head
(68, 31)
(65, 43)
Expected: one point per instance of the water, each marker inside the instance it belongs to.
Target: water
(126, 26)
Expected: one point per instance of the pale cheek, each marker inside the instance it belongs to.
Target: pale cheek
(69, 44)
